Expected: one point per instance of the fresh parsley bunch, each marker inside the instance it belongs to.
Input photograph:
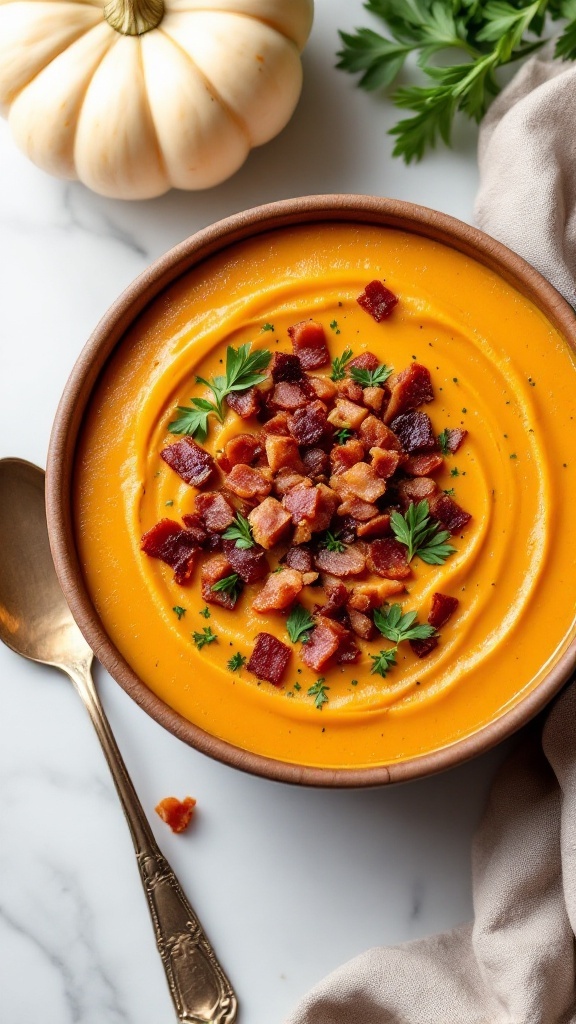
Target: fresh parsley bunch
(459, 45)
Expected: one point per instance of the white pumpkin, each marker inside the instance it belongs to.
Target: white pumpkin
(140, 96)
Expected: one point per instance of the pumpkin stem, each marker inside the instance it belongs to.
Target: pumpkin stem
(134, 17)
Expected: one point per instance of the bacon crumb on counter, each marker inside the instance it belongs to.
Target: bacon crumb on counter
(192, 463)
(269, 659)
(443, 607)
(309, 344)
(176, 813)
(377, 300)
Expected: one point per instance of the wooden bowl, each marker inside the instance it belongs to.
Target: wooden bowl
(108, 334)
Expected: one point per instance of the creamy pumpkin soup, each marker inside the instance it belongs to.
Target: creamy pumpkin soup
(323, 496)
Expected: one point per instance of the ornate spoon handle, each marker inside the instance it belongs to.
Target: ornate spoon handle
(199, 988)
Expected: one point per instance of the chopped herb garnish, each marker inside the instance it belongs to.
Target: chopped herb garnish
(398, 627)
(421, 536)
(205, 612)
(455, 471)
(267, 327)
(203, 638)
(383, 661)
(513, 455)
(371, 378)
(228, 585)
(241, 532)
(449, 491)
(179, 611)
(168, 503)
(299, 623)
(318, 691)
(279, 568)
(353, 682)
(334, 327)
(236, 661)
(297, 686)
(332, 543)
(243, 370)
(342, 436)
(443, 439)
(339, 364)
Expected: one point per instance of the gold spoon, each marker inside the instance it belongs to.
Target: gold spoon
(35, 621)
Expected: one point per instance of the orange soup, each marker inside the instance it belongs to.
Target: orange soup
(500, 371)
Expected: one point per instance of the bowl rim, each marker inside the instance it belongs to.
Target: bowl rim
(108, 333)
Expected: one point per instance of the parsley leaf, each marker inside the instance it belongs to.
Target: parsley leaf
(236, 661)
(421, 535)
(342, 436)
(334, 327)
(318, 691)
(371, 378)
(299, 623)
(398, 627)
(179, 611)
(229, 585)
(244, 369)
(339, 364)
(241, 532)
(267, 327)
(205, 612)
(203, 638)
(332, 543)
(384, 661)
(443, 439)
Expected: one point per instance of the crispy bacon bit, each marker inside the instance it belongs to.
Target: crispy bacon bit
(344, 456)
(420, 488)
(309, 344)
(424, 647)
(286, 367)
(414, 430)
(455, 439)
(387, 557)
(347, 530)
(366, 596)
(302, 502)
(277, 425)
(362, 482)
(303, 533)
(347, 652)
(443, 607)
(375, 434)
(216, 513)
(384, 462)
(378, 526)
(195, 527)
(324, 641)
(309, 577)
(351, 390)
(347, 414)
(192, 463)
(310, 424)
(323, 388)
(215, 569)
(329, 502)
(251, 564)
(410, 388)
(336, 597)
(176, 547)
(449, 513)
(365, 361)
(377, 300)
(176, 813)
(373, 398)
(270, 523)
(282, 453)
(269, 659)
(361, 624)
(280, 591)
(286, 479)
(358, 509)
(244, 448)
(248, 483)
(316, 462)
(350, 562)
(288, 395)
(299, 558)
(423, 465)
(245, 403)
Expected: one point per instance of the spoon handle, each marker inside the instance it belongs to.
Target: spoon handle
(199, 988)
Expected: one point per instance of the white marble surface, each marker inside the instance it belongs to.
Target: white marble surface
(289, 883)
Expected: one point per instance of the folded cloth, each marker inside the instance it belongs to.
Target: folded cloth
(527, 157)
(516, 963)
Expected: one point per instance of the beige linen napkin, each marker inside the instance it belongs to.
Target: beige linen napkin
(516, 963)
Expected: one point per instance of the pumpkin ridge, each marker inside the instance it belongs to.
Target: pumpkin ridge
(157, 145)
(237, 14)
(209, 86)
